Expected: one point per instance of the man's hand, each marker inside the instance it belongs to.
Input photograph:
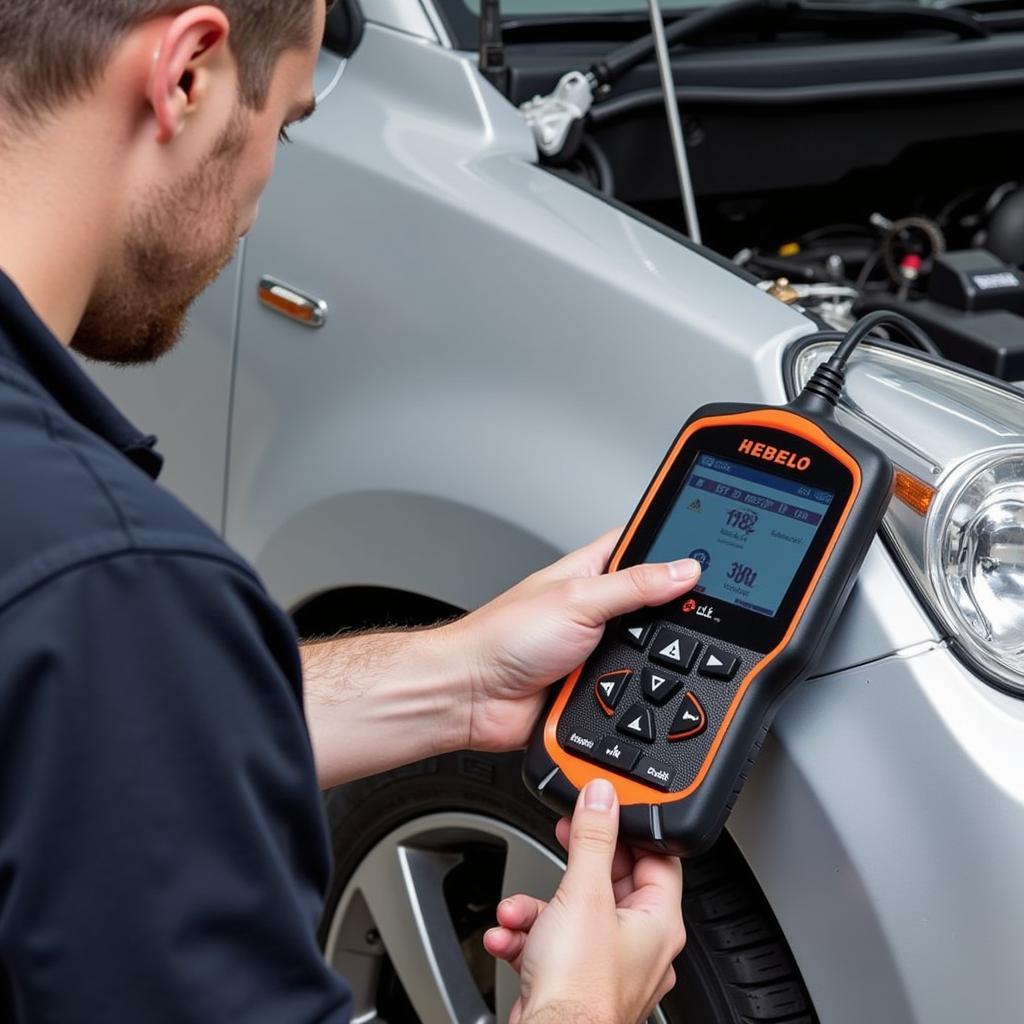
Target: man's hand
(601, 951)
(378, 700)
(540, 630)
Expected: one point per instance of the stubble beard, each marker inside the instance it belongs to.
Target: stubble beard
(178, 242)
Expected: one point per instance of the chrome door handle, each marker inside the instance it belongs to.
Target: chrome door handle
(283, 299)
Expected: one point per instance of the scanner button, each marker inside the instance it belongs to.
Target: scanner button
(716, 664)
(609, 689)
(658, 685)
(637, 722)
(655, 773)
(580, 742)
(690, 720)
(637, 632)
(612, 751)
(674, 650)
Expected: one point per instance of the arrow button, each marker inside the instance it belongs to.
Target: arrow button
(609, 688)
(658, 685)
(674, 649)
(717, 664)
(690, 719)
(638, 722)
(637, 633)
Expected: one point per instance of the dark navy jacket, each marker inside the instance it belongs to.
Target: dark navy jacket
(163, 855)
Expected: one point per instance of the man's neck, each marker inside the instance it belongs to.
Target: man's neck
(55, 218)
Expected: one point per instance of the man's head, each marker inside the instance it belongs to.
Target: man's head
(180, 105)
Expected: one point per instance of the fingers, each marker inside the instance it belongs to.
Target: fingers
(518, 913)
(505, 944)
(596, 599)
(622, 865)
(593, 836)
(658, 880)
(658, 894)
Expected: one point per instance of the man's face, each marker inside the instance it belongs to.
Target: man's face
(181, 234)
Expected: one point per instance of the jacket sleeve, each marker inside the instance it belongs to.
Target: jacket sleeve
(163, 855)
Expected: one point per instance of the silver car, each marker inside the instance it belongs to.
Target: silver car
(445, 356)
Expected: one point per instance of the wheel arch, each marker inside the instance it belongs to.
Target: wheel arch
(424, 549)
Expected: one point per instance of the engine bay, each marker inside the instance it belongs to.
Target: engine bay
(847, 156)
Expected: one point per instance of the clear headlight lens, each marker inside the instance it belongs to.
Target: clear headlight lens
(957, 526)
(975, 551)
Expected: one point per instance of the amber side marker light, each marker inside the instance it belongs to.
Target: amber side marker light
(914, 493)
(290, 302)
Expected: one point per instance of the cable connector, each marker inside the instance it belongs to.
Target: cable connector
(827, 383)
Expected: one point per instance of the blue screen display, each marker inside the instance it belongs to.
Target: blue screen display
(749, 530)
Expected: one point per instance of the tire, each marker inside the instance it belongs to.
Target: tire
(456, 811)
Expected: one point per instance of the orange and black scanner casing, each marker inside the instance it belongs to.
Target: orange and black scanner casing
(780, 504)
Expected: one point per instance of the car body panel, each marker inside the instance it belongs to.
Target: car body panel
(884, 821)
(409, 16)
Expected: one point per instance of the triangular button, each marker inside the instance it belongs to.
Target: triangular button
(609, 689)
(690, 719)
(636, 632)
(659, 688)
(638, 722)
(672, 651)
(718, 664)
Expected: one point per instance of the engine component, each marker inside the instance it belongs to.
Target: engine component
(1005, 235)
(975, 280)
(972, 310)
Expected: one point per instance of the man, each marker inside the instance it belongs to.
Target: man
(162, 849)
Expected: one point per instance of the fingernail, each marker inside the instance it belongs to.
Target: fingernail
(684, 569)
(599, 795)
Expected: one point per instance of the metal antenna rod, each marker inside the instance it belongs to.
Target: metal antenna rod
(675, 125)
(492, 47)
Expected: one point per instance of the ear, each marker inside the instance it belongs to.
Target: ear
(190, 44)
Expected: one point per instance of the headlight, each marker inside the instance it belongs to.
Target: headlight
(957, 521)
(974, 548)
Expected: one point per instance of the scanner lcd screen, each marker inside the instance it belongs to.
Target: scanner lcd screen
(748, 528)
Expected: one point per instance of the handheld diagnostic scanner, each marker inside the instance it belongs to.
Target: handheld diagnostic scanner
(779, 506)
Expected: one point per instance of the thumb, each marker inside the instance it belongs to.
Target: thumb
(600, 598)
(593, 834)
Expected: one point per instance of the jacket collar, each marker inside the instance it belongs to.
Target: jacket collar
(26, 340)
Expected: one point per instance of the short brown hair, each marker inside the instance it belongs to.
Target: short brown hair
(52, 51)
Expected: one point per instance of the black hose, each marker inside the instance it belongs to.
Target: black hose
(601, 164)
(617, 63)
(825, 387)
(892, 13)
(882, 318)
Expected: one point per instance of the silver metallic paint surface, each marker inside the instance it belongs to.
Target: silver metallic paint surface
(409, 16)
(506, 360)
(901, 893)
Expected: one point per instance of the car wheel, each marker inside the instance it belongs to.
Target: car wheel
(424, 854)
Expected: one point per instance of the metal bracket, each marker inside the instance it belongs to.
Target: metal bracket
(552, 117)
